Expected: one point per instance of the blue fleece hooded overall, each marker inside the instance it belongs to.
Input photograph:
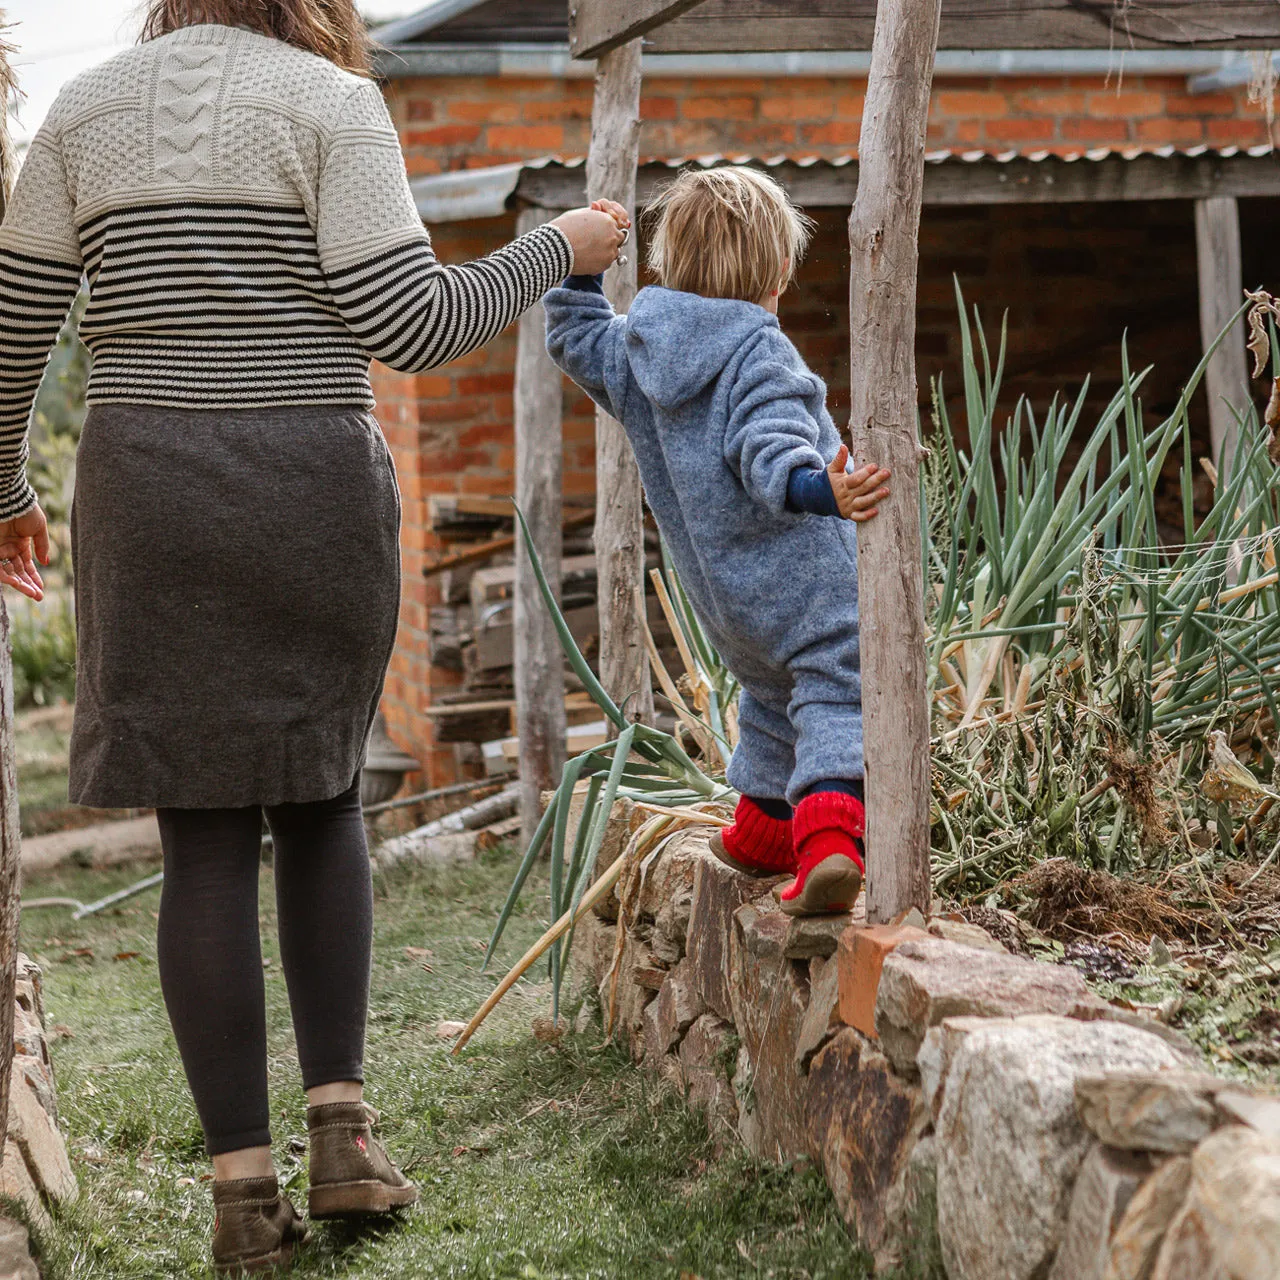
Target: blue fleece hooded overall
(720, 410)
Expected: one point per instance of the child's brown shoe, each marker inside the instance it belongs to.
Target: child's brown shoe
(756, 844)
(255, 1227)
(828, 829)
(351, 1174)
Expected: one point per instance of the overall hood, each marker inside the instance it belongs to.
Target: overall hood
(679, 343)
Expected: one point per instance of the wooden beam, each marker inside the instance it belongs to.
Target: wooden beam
(758, 26)
(619, 539)
(884, 236)
(596, 27)
(1221, 296)
(539, 661)
(981, 182)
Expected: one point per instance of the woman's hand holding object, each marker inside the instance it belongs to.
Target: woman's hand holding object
(23, 541)
(596, 238)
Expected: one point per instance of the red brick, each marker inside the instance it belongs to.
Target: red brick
(797, 108)
(1062, 102)
(861, 956)
(659, 108)
(970, 102)
(1165, 131)
(1016, 130)
(445, 135)
(485, 111)
(1126, 102)
(1200, 104)
(479, 383)
(719, 108)
(1086, 133)
(1236, 133)
(850, 106)
(835, 133)
(529, 137)
(433, 386)
(420, 109)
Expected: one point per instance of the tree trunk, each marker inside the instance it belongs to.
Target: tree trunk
(1221, 296)
(539, 662)
(884, 234)
(619, 539)
(10, 856)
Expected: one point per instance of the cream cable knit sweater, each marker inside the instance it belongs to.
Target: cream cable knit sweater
(241, 210)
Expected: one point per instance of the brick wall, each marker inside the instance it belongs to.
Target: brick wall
(1073, 278)
(455, 123)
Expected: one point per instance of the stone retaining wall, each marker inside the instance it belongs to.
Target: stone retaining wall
(35, 1170)
(945, 1086)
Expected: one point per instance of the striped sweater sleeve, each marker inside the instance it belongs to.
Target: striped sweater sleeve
(40, 271)
(402, 305)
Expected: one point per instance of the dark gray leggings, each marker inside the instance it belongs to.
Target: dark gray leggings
(210, 953)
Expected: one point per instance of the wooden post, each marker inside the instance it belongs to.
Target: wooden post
(10, 858)
(1221, 296)
(619, 540)
(884, 235)
(539, 662)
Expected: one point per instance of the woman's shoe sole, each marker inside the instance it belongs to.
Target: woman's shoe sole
(757, 873)
(832, 887)
(358, 1199)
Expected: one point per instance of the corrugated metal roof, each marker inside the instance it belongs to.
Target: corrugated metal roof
(485, 193)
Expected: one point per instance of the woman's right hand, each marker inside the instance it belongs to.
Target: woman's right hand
(595, 237)
(23, 541)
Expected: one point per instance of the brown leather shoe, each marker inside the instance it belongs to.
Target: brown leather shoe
(351, 1174)
(255, 1227)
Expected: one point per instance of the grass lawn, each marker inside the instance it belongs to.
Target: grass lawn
(534, 1160)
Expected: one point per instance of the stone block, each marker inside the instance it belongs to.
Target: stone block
(669, 878)
(1186, 1252)
(629, 997)
(1146, 1221)
(15, 1252)
(1260, 1112)
(1107, 1182)
(965, 934)
(1010, 1142)
(1167, 1111)
(819, 936)
(864, 1121)
(708, 1054)
(861, 958)
(39, 1075)
(676, 1009)
(928, 980)
(718, 891)
(936, 1055)
(768, 998)
(40, 1141)
(16, 1183)
(1095, 1010)
(1235, 1200)
(822, 1015)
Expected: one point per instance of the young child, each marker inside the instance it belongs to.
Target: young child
(746, 475)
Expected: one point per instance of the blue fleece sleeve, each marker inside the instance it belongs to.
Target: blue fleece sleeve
(809, 490)
(586, 284)
(586, 340)
(773, 428)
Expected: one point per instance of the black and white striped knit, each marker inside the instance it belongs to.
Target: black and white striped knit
(241, 212)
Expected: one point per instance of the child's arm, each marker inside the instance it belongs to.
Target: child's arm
(837, 491)
(586, 340)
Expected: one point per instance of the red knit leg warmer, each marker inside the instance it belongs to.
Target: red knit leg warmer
(756, 843)
(828, 829)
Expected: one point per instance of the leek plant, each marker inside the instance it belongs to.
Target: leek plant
(1077, 659)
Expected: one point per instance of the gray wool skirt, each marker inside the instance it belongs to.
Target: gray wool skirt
(237, 594)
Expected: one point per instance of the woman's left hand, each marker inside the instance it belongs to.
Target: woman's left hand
(23, 541)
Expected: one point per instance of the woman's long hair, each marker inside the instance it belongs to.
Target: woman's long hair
(330, 28)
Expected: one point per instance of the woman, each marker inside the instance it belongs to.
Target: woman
(234, 190)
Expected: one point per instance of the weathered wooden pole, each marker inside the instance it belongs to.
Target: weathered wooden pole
(1226, 380)
(619, 539)
(884, 235)
(539, 662)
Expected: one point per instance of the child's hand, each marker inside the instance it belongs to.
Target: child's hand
(615, 211)
(858, 492)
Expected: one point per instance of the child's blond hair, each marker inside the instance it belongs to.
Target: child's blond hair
(727, 233)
